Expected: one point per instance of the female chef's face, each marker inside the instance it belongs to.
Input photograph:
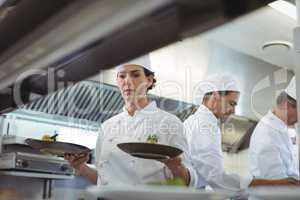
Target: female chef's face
(225, 104)
(133, 83)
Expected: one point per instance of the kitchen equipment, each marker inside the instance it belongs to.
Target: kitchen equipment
(20, 161)
(16, 155)
(150, 151)
(138, 192)
(57, 148)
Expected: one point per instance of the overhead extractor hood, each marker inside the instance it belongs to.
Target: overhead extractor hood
(95, 102)
(91, 102)
(78, 38)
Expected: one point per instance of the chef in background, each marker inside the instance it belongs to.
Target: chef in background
(220, 95)
(140, 121)
(271, 149)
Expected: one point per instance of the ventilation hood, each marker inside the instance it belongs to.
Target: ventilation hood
(47, 43)
(236, 133)
(91, 102)
(95, 102)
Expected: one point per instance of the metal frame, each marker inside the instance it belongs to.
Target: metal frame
(297, 70)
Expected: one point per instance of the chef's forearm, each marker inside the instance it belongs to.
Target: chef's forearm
(276, 182)
(89, 173)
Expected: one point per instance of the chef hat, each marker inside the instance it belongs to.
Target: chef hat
(215, 83)
(143, 61)
(291, 88)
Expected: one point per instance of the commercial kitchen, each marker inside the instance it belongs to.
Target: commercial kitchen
(80, 81)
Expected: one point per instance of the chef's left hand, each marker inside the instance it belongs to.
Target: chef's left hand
(177, 168)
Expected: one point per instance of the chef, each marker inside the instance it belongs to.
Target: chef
(140, 120)
(220, 95)
(271, 149)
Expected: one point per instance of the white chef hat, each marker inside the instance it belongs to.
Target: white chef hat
(291, 88)
(216, 83)
(143, 61)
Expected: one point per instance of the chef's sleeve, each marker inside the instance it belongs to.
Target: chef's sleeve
(207, 158)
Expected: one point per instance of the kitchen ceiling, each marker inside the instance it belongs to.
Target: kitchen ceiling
(131, 27)
(247, 35)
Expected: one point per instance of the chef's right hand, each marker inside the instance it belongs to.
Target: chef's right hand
(77, 161)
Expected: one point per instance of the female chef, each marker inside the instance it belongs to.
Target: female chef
(140, 120)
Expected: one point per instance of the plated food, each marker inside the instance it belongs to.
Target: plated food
(57, 148)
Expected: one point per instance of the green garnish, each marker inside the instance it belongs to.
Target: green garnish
(152, 139)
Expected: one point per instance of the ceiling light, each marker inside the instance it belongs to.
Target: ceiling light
(277, 44)
(285, 8)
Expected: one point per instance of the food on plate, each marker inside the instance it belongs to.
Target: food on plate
(152, 139)
(49, 138)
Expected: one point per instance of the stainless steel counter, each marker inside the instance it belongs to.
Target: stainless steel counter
(17, 185)
(153, 193)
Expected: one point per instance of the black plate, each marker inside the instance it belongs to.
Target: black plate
(150, 151)
(57, 148)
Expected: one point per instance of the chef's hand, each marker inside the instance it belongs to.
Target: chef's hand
(177, 168)
(276, 182)
(77, 161)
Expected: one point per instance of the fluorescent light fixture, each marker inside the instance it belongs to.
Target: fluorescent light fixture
(285, 8)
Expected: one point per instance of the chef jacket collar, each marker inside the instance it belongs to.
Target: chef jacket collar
(150, 108)
(203, 109)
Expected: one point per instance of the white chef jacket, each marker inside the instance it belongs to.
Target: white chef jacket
(205, 147)
(271, 150)
(117, 167)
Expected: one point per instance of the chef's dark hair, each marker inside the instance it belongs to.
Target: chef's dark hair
(150, 73)
(283, 96)
(222, 93)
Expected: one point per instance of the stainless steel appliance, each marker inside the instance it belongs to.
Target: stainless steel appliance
(34, 163)
(17, 156)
